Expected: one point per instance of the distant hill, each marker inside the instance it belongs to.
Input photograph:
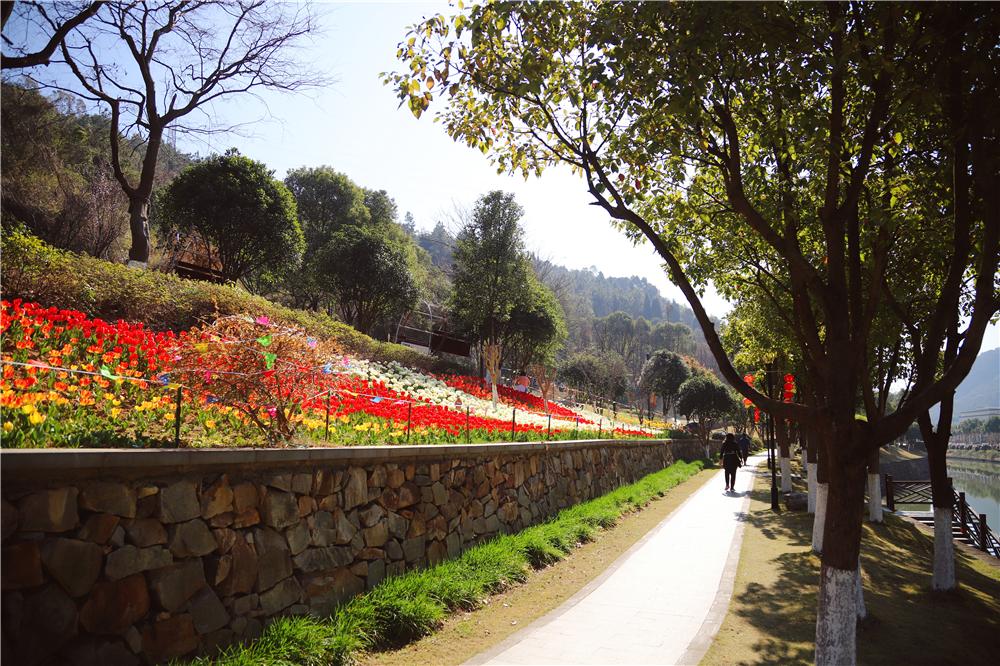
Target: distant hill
(981, 389)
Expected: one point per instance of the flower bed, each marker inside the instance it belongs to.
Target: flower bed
(69, 380)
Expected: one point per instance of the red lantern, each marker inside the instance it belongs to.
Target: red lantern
(789, 386)
(789, 378)
(756, 416)
(747, 402)
(748, 379)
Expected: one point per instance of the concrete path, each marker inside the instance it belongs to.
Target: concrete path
(661, 602)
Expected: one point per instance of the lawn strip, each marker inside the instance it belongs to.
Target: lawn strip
(772, 614)
(406, 607)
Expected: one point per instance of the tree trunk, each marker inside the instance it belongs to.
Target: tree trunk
(822, 493)
(811, 469)
(859, 595)
(836, 620)
(781, 432)
(138, 217)
(943, 496)
(874, 489)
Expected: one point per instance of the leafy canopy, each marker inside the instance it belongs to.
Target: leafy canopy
(245, 216)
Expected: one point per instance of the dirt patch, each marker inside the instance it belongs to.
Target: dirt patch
(465, 635)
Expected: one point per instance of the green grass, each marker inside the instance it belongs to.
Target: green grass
(407, 607)
(34, 271)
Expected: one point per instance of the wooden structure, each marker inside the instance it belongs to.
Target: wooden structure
(967, 526)
(428, 329)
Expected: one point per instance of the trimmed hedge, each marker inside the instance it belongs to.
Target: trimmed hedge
(34, 271)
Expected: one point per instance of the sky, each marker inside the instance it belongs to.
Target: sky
(354, 124)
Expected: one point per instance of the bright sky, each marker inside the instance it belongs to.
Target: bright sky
(354, 126)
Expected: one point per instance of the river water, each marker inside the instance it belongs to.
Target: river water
(980, 481)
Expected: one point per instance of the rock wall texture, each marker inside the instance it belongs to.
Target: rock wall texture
(125, 557)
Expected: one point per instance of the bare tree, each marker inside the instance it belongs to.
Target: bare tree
(54, 19)
(153, 65)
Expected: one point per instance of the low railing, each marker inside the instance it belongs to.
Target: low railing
(973, 526)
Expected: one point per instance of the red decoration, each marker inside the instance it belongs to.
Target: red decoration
(756, 416)
(747, 402)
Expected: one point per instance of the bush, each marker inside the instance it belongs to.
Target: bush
(34, 271)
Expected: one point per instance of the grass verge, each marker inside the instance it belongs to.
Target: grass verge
(772, 613)
(407, 607)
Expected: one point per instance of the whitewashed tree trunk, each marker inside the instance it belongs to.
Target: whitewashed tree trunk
(859, 595)
(944, 551)
(836, 618)
(819, 520)
(874, 498)
(786, 474)
(805, 458)
(811, 485)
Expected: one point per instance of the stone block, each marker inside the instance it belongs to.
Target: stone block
(389, 499)
(217, 568)
(129, 560)
(371, 515)
(376, 536)
(440, 494)
(207, 612)
(280, 509)
(302, 483)
(217, 498)
(321, 559)
(332, 528)
(173, 585)
(395, 478)
(796, 501)
(114, 606)
(179, 502)
(191, 539)
(281, 481)
(242, 570)
(356, 491)
(436, 553)
(298, 538)
(413, 549)
(145, 532)
(245, 604)
(224, 539)
(325, 591)
(247, 518)
(306, 506)
(98, 528)
(8, 519)
(245, 497)
(48, 620)
(108, 497)
(281, 596)
(393, 550)
(418, 526)
(170, 638)
(359, 569)
(398, 525)
(22, 566)
(53, 510)
(72, 563)
(273, 559)
(454, 545)
(214, 643)
(222, 520)
(395, 569)
(371, 554)
(376, 573)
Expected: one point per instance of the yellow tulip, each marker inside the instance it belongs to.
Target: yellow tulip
(36, 418)
(8, 426)
(210, 424)
(115, 411)
(28, 409)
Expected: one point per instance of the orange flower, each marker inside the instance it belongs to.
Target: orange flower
(86, 398)
(61, 386)
(25, 383)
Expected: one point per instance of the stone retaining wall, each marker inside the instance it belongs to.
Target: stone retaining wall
(140, 556)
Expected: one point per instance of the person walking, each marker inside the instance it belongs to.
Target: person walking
(731, 460)
(744, 443)
(522, 383)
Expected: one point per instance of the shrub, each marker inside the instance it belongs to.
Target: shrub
(34, 271)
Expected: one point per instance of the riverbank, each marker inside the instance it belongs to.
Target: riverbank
(772, 615)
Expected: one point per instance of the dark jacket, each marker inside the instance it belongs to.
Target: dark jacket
(730, 455)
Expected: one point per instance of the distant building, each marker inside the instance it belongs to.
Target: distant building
(984, 413)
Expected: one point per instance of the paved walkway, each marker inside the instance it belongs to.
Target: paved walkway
(661, 602)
